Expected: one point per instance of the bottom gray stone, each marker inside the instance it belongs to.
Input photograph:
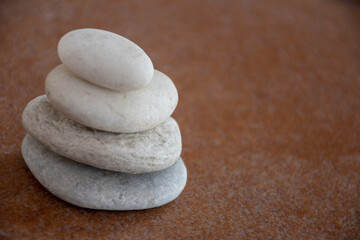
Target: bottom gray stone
(90, 187)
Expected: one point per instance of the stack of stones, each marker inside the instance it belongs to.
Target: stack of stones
(102, 136)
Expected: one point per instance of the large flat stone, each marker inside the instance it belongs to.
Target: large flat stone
(89, 187)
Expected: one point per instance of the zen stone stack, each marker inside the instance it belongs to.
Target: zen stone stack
(102, 137)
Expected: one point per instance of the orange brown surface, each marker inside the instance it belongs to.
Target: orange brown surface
(269, 110)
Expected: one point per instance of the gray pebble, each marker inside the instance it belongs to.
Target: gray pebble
(146, 151)
(108, 110)
(105, 59)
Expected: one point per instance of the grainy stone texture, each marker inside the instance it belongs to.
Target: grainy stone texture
(147, 151)
(106, 59)
(109, 110)
(90, 187)
(269, 114)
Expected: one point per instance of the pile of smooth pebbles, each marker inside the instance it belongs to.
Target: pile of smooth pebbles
(102, 136)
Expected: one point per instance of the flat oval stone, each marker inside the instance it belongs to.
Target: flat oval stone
(90, 187)
(106, 59)
(108, 110)
(147, 151)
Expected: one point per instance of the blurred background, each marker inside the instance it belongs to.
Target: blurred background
(269, 109)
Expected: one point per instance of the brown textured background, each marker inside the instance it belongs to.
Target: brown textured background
(269, 111)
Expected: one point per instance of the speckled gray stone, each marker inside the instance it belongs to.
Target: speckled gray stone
(147, 151)
(90, 187)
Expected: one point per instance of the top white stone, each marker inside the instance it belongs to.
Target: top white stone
(105, 59)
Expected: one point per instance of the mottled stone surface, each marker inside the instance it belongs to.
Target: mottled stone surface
(109, 110)
(90, 187)
(147, 151)
(105, 59)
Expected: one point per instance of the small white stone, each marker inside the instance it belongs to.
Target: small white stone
(106, 59)
(90, 187)
(108, 110)
(147, 151)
